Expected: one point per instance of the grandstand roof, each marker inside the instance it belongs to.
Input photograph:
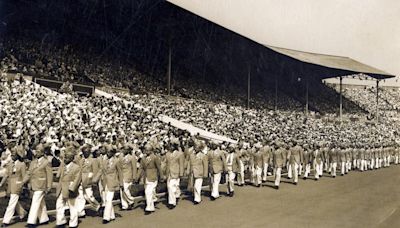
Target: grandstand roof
(336, 65)
(332, 61)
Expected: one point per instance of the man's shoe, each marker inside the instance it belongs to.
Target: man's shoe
(232, 193)
(31, 225)
(106, 221)
(304, 178)
(196, 203)
(277, 187)
(147, 212)
(4, 225)
(213, 198)
(170, 206)
(295, 183)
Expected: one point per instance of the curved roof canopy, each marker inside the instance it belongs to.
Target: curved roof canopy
(339, 64)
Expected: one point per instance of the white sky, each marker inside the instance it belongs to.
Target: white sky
(365, 30)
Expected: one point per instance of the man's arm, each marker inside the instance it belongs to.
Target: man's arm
(49, 174)
(181, 165)
(134, 168)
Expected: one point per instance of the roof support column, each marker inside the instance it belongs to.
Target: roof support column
(377, 101)
(276, 93)
(341, 99)
(169, 69)
(306, 110)
(248, 88)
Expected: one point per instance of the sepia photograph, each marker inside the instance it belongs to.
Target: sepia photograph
(200, 113)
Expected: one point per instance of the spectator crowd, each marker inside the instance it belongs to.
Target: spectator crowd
(102, 148)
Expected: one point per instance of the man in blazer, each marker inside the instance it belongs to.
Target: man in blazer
(129, 173)
(198, 168)
(16, 171)
(112, 181)
(333, 158)
(307, 160)
(279, 160)
(70, 175)
(295, 156)
(241, 153)
(257, 162)
(89, 169)
(232, 166)
(151, 170)
(361, 159)
(174, 171)
(217, 162)
(342, 158)
(40, 177)
(318, 158)
(266, 152)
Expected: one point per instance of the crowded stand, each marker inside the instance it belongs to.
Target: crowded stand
(103, 148)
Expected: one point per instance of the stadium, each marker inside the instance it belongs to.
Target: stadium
(160, 113)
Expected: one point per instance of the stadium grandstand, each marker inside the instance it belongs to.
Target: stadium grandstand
(136, 82)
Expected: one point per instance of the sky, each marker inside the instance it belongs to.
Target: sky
(365, 30)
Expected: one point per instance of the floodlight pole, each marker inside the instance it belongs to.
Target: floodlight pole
(276, 93)
(248, 88)
(341, 99)
(169, 69)
(306, 96)
(377, 100)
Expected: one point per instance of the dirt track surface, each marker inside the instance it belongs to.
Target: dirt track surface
(359, 199)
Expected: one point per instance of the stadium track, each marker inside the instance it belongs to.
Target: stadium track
(358, 199)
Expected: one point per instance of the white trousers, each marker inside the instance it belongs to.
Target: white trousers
(38, 209)
(348, 166)
(396, 159)
(362, 164)
(216, 179)
(150, 193)
(61, 204)
(108, 214)
(333, 169)
(318, 170)
(367, 164)
(300, 169)
(198, 183)
(343, 167)
(307, 170)
(278, 172)
(265, 172)
(230, 179)
(80, 202)
(102, 194)
(289, 169)
(257, 175)
(88, 197)
(13, 205)
(174, 191)
(295, 171)
(240, 178)
(126, 197)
